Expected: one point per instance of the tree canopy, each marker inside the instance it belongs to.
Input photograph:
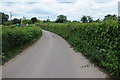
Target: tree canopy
(111, 17)
(26, 21)
(86, 19)
(15, 21)
(33, 20)
(4, 17)
(61, 19)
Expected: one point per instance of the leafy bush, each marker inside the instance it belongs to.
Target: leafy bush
(16, 38)
(97, 41)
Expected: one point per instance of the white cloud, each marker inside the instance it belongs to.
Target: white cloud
(73, 9)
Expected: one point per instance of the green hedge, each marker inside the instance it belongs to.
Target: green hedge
(97, 41)
(14, 39)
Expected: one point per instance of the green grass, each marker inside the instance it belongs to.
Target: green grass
(99, 42)
(15, 39)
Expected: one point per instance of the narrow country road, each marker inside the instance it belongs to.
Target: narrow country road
(50, 57)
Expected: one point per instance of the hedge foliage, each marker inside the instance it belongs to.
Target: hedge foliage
(16, 38)
(99, 42)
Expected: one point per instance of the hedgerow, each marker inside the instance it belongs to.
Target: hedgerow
(99, 42)
(14, 39)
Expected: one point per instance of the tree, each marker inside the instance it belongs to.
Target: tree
(98, 20)
(69, 21)
(110, 17)
(75, 21)
(44, 21)
(33, 20)
(4, 17)
(61, 19)
(84, 19)
(26, 21)
(89, 19)
(39, 21)
(16, 21)
(48, 20)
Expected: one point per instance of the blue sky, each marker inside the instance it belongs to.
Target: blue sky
(73, 9)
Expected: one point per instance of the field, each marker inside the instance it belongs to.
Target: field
(99, 42)
(15, 39)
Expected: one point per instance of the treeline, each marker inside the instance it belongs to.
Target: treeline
(5, 20)
(59, 19)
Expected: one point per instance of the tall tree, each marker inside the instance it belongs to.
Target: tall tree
(84, 19)
(4, 17)
(33, 20)
(61, 19)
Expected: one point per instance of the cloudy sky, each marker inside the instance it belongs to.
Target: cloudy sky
(73, 9)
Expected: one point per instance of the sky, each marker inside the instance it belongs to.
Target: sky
(73, 9)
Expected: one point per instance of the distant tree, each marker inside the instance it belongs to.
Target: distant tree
(61, 19)
(44, 21)
(69, 21)
(84, 19)
(26, 21)
(75, 21)
(33, 20)
(48, 20)
(39, 21)
(98, 20)
(89, 19)
(15, 21)
(111, 17)
(4, 17)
